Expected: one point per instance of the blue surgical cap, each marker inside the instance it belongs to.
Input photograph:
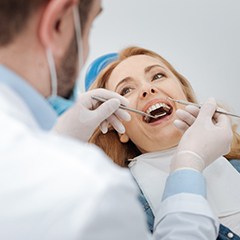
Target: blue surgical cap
(96, 67)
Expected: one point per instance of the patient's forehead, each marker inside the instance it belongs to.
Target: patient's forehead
(132, 67)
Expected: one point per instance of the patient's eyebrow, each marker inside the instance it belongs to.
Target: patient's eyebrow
(148, 69)
(125, 80)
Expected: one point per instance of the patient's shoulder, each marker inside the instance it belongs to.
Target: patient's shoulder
(236, 164)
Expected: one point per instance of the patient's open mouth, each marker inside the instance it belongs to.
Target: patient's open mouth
(159, 110)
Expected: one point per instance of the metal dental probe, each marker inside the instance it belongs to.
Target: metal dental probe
(100, 99)
(199, 106)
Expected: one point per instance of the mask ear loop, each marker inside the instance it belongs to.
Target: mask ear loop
(50, 59)
(53, 72)
(77, 24)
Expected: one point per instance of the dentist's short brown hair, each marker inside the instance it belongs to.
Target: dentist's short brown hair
(15, 14)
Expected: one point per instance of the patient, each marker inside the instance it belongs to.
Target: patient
(147, 147)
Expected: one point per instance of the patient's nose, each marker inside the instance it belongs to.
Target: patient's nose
(151, 90)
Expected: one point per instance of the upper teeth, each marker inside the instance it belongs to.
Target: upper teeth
(156, 106)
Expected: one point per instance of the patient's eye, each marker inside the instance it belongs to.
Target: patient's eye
(158, 76)
(125, 91)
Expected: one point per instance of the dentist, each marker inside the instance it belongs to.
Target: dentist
(53, 187)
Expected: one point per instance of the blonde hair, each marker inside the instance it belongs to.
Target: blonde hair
(110, 143)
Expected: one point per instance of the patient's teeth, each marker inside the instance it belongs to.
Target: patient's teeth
(167, 107)
(156, 106)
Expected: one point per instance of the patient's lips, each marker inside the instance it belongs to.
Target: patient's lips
(159, 108)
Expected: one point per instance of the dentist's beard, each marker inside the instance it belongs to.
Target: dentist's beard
(67, 72)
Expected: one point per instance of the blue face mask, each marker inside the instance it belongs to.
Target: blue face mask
(60, 104)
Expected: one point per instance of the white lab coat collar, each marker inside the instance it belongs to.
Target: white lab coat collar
(223, 182)
(40, 109)
(14, 107)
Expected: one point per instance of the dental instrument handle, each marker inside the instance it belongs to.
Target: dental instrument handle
(199, 106)
(126, 108)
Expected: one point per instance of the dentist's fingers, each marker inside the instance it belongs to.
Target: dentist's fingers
(222, 119)
(123, 115)
(193, 110)
(217, 115)
(104, 127)
(106, 94)
(116, 124)
(207, 111)
(185, 116)
(180, 125)
(114, 120)
(106, 109)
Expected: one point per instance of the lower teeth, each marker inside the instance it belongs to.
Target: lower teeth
(147, 119)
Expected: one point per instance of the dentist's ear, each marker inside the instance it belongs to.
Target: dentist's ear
(123, 138)
(56, 27)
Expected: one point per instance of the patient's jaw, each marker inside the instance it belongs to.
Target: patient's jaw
(147, 82)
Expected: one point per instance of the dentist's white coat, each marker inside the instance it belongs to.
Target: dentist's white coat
(54, 188)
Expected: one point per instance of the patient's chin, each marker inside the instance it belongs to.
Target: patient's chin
(161, 144)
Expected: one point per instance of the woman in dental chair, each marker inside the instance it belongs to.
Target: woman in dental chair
(148, 145)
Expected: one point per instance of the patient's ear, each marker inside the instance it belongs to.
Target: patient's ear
(123, 138)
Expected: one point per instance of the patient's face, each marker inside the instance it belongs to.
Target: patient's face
(147, 82)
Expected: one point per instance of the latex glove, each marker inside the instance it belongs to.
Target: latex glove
(206, 140)
(86, 115)
(186, 117)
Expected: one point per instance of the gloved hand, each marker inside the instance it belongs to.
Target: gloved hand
(186, 117)
(208, 138)
(86, 115)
